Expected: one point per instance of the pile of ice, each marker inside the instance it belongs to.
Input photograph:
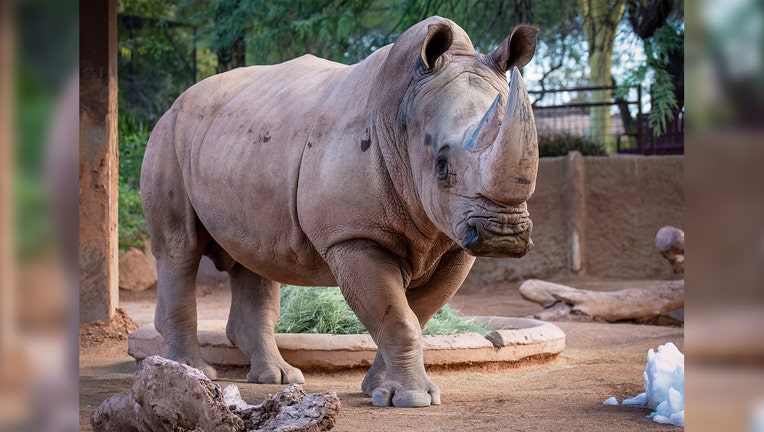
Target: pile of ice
(664, 386)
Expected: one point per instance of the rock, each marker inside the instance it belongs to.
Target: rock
(291, 410)
(137, 272)
(167, 395)
(670, 243)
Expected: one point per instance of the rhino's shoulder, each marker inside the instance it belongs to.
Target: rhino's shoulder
(311, 62)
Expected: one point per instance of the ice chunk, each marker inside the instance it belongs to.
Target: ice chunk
(664, 385)
(610, 401)
(757, 420)
(640, 400)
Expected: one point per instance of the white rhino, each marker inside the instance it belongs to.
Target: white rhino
(385, 177)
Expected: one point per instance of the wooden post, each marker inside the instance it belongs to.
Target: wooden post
(99, 292)
(574, 197)
(7, 261)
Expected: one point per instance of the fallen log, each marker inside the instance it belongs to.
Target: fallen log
(167, 395)
(638, 304)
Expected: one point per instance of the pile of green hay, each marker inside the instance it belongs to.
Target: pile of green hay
(324, 310)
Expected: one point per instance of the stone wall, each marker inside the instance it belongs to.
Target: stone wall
(597, 216)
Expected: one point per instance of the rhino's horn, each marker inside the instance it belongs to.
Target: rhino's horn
(484, 132)
(509, 166)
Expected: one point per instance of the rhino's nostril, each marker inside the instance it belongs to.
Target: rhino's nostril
(470, 235)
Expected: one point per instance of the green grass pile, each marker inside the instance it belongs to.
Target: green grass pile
(324, 310)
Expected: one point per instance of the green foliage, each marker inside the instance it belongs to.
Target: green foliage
(667, 39)
(34, 226)
(132, 228)
(132, 145)
(156, 59)
(316, 310)
(663, 102)
(446, 321)
(324, 310)
(560, 145)
(277, 30)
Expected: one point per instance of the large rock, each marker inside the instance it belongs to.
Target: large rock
(169, 396)
(137, 271)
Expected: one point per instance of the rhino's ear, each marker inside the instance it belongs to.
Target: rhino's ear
(438, 40)
(517, 49)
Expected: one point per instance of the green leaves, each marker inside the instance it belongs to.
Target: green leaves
(667, 40)
(132, 227)
(663, 101)
(562, 144)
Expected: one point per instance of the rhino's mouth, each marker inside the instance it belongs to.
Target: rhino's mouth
(505, 233)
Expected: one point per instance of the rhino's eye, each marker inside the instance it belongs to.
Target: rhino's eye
(441, 167)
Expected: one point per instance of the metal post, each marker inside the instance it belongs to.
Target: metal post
(640, 122)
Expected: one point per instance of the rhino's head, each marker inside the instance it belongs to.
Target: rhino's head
(472, 138)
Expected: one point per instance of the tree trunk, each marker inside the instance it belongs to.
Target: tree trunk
(231, 57)
(601, 18)
(231, 48)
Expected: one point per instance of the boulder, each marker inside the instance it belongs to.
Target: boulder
(137, 271)
(170, 396)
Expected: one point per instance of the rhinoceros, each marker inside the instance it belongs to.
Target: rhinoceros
(385, 178)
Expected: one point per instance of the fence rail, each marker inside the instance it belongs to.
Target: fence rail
(617, 123)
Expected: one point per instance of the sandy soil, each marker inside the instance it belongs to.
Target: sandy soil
(563, 393)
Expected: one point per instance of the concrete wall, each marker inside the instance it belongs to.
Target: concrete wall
(597, 216)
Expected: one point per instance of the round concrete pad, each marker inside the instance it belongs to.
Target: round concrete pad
(513, 339)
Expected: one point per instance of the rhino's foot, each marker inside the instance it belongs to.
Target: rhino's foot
(392, 393)
(374, 377)
(282, 373)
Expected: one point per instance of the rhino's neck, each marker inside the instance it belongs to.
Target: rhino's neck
(394, 157)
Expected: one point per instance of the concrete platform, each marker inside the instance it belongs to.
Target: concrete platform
(512, 340)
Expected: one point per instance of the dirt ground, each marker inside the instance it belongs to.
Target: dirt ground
(563, 393)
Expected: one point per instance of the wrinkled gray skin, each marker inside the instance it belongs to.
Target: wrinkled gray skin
(385, 178)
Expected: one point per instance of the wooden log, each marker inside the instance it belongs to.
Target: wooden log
(561, 301)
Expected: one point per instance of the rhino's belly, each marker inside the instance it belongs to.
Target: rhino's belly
(286, 267)
(267, 243)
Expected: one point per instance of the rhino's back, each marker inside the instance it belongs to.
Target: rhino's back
(239, 139)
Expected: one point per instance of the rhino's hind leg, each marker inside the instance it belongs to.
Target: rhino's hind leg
(175, 316)
(178, 240)
(255, 306)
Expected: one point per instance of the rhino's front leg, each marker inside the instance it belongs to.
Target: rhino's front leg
(372, 283)
(425, 301)
(255, 306)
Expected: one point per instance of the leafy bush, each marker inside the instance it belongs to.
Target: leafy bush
(324, 310)
(34, 225)
(132, 228)
(560, 145)
(132, 145)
